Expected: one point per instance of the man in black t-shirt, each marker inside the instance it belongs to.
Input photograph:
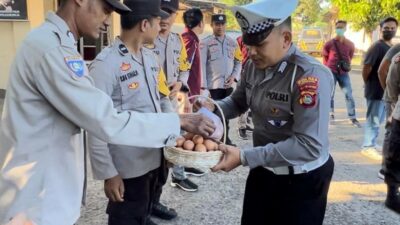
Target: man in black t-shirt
(373, 91)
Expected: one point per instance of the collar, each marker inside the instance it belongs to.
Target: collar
(66, 36)
(191, 33)
(280, 67)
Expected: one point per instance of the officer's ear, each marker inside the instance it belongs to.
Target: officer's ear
(287, 39)
(144, 25)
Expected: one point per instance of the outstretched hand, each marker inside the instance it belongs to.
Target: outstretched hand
(230, 159)
(197, 123)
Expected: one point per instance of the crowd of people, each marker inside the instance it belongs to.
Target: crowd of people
(133, 100)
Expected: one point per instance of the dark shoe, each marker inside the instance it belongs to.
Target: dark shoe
(194, 172)
(242, 133)
(163, 212)
(150, 222)
(355, 123)
(393, 199)
(186, 184)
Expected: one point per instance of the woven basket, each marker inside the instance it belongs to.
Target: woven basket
(199, 160)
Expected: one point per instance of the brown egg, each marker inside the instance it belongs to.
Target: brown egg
(188, 136)
(188, 145)
(200, 148)
(197, 139)
(210, 145)
(180, 141)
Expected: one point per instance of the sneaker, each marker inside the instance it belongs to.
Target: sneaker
(194, 172)
(355, 123)
(372, 153)
(150, 222)
(242, 133)
(381, 174)
(186, 184)
(163, 212)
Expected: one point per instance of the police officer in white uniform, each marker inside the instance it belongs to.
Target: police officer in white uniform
(221, 61)
(131, 75)
(288, 93)
(49, 98)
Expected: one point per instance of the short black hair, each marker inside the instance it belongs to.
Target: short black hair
(129, 21)
(388, 19)
(341, 21)
(192, 17)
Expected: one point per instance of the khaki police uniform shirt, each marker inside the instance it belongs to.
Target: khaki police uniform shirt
(132, 83)
(290, 108)
(49, 98)
(173, 57)
(393, 85)
(221, 59)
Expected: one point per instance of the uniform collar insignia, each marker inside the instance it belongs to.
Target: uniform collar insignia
(122, 49)
(282, 67)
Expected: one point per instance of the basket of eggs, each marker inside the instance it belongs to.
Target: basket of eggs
(194, 150)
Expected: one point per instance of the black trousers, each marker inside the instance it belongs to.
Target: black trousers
(161, 181)
(286, 199)
(138, 199)
(392, 158)
(218, 94)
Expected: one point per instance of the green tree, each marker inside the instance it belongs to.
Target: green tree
(308, 12)
(231, 23)
(367, 13)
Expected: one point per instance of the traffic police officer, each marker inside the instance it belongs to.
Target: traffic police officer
(133, 78)
(392, 157)
(49, 97)
(288, 93)
(221, 61)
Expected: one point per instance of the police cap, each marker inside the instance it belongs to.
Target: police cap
(140, 8)
(118, 6)
(258, 19)
(170, 5)
(218, 18)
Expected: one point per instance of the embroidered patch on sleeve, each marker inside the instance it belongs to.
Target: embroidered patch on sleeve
(76, 65)
(308, 87)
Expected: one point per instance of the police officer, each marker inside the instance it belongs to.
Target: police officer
(49, 98)
(129, 74)
(288, 93)
(392, 156)
(221, 61)
(172, 55)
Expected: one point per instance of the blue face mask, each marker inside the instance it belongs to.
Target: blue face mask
(340, 32)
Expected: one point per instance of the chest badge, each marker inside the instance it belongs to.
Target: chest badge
(76, 65)
(277, 123)
(274, 111)
(133, 85)
(125, 66)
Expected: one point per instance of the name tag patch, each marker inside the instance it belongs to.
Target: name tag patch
(277, 96)
(128, 76)
(76, 65)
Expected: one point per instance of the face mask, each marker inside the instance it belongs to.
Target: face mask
(340, 32)
(388, 35)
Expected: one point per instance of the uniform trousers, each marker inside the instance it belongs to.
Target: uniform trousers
(219, 94)
(392, 158)
(300, 199)
(138, 199)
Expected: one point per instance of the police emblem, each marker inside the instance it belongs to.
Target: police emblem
(76, 65)
(308, 91)
(133, 85)
(125, 66)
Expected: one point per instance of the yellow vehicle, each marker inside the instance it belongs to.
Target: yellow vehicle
(311, 41)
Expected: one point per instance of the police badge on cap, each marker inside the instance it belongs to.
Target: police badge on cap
(259, 18)
(218, 18)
